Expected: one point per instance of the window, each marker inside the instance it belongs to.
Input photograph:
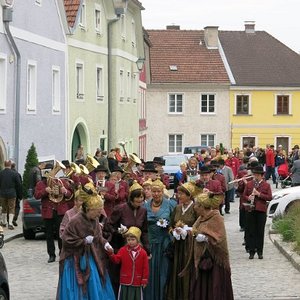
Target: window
(282, 104)
(31, 85)
(133, 34)
(175, 103)
(242, 105)
(55, 89)
(121, 86)
(3, 79)
(175, 143)
(248, 141)
(135, 88)
(123, 27)
(128, 86)
(98, 20)
(99, 82)
(208, 103)
(79, 81)
(82, 17)
(208, 140)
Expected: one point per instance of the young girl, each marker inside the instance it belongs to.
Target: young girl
(134, 266)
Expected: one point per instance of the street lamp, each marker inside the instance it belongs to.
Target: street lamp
(140, 63)
(120, 6)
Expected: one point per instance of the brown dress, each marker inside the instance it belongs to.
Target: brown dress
(178, 288)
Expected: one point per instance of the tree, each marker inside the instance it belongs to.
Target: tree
(31, 161)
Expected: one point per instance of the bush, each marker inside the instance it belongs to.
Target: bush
(31, 161)
(289, 225)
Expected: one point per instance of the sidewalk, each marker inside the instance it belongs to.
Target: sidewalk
(9, 235)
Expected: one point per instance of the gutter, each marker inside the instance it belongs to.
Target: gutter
(7, 18)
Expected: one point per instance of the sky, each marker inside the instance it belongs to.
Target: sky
(280, 18)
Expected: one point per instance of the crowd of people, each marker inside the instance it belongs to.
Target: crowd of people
(121, 235)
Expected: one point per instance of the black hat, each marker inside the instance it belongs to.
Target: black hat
(149, 167)
(79, 161)
(66, 163)
(100, 169)
(118, 169)
(214, 163)
(159, 160)
(212, 167)
(204, 170)
(258, 170)
(49, 166)
(253, 164)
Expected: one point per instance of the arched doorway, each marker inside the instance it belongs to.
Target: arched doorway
(79, 138)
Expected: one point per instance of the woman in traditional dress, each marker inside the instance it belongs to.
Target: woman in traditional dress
(83, 274)
(211, 275)
(183, 217)
(159, 211)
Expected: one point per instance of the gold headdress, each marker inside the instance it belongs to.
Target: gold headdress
(158, 183)
(190, 187)
(135, 231)
(208, 201)
(89, 196)
(147, 182)
(135, 186)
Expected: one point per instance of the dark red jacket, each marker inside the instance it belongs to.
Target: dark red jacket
(265, 194)
(49, 206)
(134, 270)
(221, 178)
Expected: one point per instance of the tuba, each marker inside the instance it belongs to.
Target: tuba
(74, 169)
(132, 161)
(55, 183)
(91, 163)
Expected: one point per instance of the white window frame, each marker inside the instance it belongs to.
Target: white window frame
(3, 82)
(56, 89)
(248, 135)
(82, 18)
(31, 86)
(123, 27)
(207, 139)
(215, 104)
(176, 105)
(175, 142)
(249, 104)
(79, 87)
(121, 85)
(99, 84)
(128, 88)
(133, 33)
(290, 104)
(98, 25)
(135, 88)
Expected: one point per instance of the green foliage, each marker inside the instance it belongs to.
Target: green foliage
(31, 161)
(221, 148)
(289, 225)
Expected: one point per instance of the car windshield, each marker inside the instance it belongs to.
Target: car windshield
(174, 160)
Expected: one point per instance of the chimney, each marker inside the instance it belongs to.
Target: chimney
(249, 26)
(173, 27)
(211, 37)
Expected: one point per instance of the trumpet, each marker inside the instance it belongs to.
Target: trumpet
(239, 179)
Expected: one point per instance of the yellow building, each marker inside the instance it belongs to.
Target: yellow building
(265, 89)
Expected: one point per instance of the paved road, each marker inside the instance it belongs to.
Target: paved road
(31, 277)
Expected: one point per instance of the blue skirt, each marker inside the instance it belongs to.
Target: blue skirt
(70, 290)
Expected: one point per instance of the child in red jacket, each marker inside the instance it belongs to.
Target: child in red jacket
(134, 266)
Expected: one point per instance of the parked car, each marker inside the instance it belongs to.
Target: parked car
(191, 150)
(4, 286)
(32, 218)
(283, 200)
(172, 163)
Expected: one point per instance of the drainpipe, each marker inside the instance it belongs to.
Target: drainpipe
(7, 18)
(109, 84)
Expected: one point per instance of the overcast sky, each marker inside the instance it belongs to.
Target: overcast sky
(280, 18)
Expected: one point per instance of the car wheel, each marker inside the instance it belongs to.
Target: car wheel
(3, 295)
(295, 203)
(28, 234)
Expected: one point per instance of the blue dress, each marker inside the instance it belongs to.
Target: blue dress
(159, 240)
(95, 289)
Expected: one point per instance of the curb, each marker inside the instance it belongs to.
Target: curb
(12, 237)
(285, 249)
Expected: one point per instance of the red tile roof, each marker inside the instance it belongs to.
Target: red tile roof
(71, 7)
(182, 48)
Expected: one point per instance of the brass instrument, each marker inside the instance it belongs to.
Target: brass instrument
(55, 183)
(132, 161)
(74, 169)
(83, 169)
(122, 144)
(239, 179)
(91, 163)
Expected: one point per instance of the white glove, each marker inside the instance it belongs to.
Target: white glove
(108, 247)
(122, 229)
(176, 235)
(187, 228)
(89, 239)
(183, 234)
(201, 238)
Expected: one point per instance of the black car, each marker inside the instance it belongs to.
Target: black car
(4, 287)
(32, 218)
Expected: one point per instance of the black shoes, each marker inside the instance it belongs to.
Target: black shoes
(51, 259)
(251, 256)
(260, 256)
(2, 224)
(15, 223)
(10, 227)
(227, 212)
